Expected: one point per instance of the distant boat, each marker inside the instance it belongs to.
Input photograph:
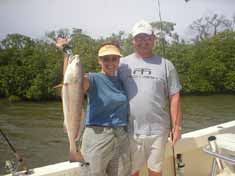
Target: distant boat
(197, 161)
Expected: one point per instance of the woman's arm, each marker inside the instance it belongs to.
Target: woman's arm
(85, 83)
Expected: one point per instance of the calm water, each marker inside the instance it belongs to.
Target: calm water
(35, 129)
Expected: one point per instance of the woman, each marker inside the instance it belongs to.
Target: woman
(105, 143)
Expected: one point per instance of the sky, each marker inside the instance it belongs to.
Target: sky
(101, 18)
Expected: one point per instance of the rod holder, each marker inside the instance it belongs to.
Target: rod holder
(214, 148)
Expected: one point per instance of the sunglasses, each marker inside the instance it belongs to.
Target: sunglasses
(139, 38)
(109, 58)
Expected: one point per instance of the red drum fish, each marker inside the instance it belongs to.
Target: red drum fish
(72, 97)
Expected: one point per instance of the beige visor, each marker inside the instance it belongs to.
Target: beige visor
(109, 50)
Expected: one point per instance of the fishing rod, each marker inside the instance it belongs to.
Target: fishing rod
(8, 142)
(161, 28)
(17, 155)
(167, 87)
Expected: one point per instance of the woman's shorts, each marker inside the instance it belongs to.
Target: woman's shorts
(107, 151)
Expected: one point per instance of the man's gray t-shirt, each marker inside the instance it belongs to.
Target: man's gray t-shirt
(145, 83)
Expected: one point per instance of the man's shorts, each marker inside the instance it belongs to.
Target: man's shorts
(107, 150)
(148, 150)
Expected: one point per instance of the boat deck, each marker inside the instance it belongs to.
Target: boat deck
(197, 162)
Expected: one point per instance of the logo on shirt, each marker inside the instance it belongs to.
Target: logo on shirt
(145, 73)
(142, 71)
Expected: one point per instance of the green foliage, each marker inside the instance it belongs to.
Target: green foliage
(29, 69)
(229, 81)
(87, 48)
(206, 66)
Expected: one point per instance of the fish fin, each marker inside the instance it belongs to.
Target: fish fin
(58, 86)
(61, 85)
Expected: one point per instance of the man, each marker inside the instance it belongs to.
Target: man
(150, 81)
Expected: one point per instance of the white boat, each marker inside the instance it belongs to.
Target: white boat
(197, 161)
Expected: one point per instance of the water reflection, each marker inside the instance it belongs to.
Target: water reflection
(203, 111)
(35, 129)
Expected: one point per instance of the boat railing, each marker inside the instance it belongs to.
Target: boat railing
(230, 159)
(215, 151)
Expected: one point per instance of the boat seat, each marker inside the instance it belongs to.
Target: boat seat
(226, 172)
(226, 141)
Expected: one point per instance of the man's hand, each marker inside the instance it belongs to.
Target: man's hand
(175, 134)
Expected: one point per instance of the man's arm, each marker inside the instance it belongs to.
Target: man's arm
(176, 116)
